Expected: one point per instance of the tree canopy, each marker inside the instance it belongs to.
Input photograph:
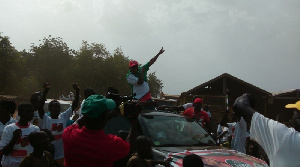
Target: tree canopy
(22, 72)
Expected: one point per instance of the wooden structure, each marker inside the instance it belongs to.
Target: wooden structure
(277, 104)
(221, 92)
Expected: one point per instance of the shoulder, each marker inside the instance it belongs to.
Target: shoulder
(204, 112)
(71, 128)
(12, 120)
(34, 127)
(11, 126)
(189, 110)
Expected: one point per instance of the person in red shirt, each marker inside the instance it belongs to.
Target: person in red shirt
(85, 142)
(198, 114)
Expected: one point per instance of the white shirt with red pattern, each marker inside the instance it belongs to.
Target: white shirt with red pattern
(22, 146)
(57, 126)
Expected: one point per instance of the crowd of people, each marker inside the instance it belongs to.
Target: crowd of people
(37, 139)
(52, 143)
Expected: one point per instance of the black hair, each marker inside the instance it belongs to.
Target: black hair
(112, 90)
(9, 106)
(25, 107)
(88, 91)
(251, 100)
(51, 103)
(49, 134)
(142, 140)
(192, 160)
(143, 145)
(35, 137)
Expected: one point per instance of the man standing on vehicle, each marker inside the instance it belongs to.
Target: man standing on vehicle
(198, 114)
(137, 78)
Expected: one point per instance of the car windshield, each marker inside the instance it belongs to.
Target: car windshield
(174, 131)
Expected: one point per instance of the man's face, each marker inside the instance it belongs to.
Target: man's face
(134, 69)
(197, 106)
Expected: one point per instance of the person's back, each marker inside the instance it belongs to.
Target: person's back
(14, 140)
(92, 147)
(144, 156)
(85, 142)
(39, 157)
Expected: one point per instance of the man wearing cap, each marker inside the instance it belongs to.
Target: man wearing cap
(137, 78)
(198, 113)
(280, 143)
(85, 142)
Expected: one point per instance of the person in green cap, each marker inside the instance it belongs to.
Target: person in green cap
(85, 142)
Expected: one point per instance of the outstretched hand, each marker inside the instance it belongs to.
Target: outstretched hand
(47, 85)
(75, 86)
(161, 50)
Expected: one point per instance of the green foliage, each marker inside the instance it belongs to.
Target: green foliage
(155, 85)
(53, 61)
(8, 57)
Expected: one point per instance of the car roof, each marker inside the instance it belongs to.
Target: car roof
(60, 101)
(159, 113)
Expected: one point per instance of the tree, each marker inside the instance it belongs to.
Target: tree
(7, 62)
(155, 84)
(50, 59)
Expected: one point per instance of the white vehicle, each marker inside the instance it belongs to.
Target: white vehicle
(64, 105)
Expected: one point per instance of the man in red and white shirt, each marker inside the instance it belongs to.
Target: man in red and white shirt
(137, 78)
(14, 140)
(198, 114)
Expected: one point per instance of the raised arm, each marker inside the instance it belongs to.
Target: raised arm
(41, 111)
(76, 100)
(131, 138)
(155, 57)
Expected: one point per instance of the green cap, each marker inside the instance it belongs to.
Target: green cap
(95, 105)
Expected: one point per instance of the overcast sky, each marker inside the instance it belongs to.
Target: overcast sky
(257, 41)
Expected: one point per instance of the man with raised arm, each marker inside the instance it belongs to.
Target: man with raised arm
(57, 121)
(280, 143)
(137, 78)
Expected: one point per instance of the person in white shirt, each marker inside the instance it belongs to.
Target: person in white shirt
(57, 121)
(280, 143)
(240, 136)
(207, 111)
(14, 140)
(137, 78)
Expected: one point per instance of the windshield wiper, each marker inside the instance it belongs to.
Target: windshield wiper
(202, 144)
(171, 145)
